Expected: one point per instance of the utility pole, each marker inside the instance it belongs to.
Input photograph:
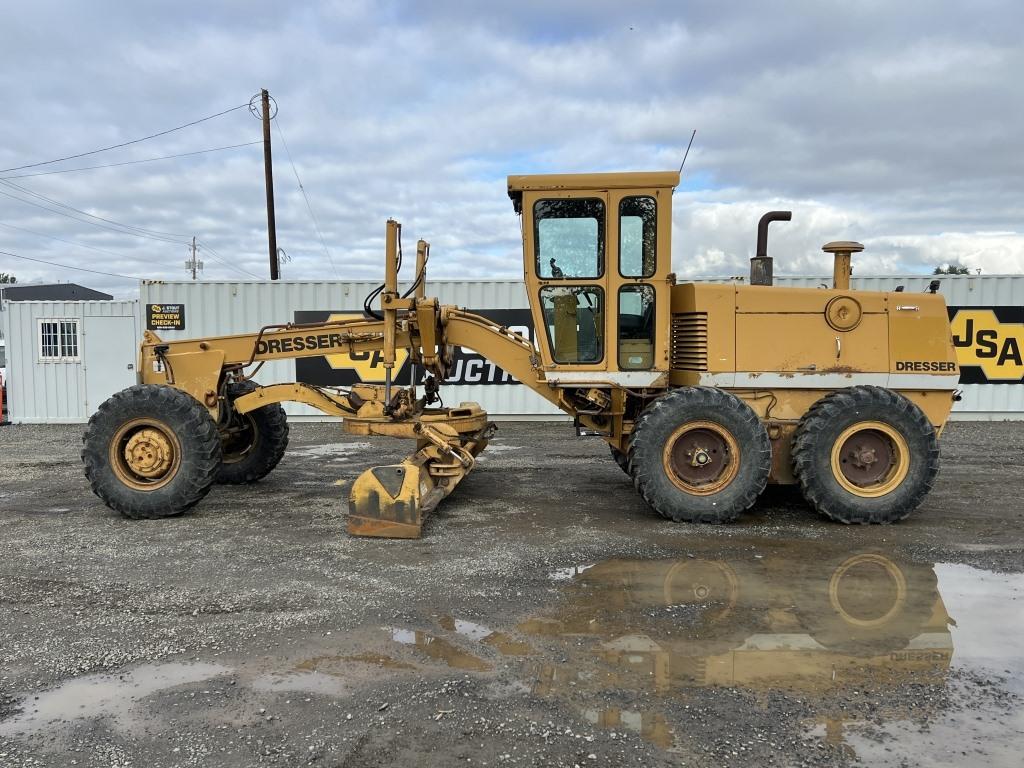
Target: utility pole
(194, 264)
(269, 169)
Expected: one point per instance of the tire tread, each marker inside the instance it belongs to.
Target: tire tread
(181, 412)
(645, 468)
(833, 408)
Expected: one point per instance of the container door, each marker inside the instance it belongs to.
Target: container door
(110, 352)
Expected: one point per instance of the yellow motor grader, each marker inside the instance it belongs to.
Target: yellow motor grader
(704, 392)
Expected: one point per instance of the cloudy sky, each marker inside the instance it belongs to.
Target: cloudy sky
(896, 124)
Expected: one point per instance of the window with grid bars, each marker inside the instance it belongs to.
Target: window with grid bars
(58, 339)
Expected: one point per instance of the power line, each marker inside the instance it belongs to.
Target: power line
(86, 221)
(61, 240)
(132, 162)
(241, 270)
(124, 230)
(123, 144)
(140, 234)
(209, 250)
(305, 197)
(67, 266)
(175, 236)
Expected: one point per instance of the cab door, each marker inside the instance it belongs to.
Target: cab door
(566, 271)
(638, 283)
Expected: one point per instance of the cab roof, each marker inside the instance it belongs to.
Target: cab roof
(593, 180)
(588, 181)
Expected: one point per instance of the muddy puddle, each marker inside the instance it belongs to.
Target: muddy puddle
(111, 697)
(888, 658)
(858, 638)
(878, 658)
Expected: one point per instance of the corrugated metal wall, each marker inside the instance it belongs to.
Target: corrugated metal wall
(217, 308)
(52, 391)
(55, 391)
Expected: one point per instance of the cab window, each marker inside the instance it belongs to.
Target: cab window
(637, 236)
(569, 238)
(636, 327)
(574, 318)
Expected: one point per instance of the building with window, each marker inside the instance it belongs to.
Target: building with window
(64, 358)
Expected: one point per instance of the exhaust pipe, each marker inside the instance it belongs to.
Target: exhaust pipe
(761, 264)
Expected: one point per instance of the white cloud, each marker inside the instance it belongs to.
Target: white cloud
(901, 134)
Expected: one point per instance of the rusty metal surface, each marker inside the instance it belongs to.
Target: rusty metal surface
(866, 457)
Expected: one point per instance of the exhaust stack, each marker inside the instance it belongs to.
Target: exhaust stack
(761, 264)
(842, 251)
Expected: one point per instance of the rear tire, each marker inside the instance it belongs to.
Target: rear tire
(699, 455)
(151, 451)
(258, 441)
(865, 455)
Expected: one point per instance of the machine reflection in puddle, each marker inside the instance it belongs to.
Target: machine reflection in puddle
(377, 660)
(108, 696)
(806, 619)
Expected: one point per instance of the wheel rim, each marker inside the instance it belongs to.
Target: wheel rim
(145, 454)
(867, 590)
(701, 457)
(702, 581)
(240, 442)
(870, 459)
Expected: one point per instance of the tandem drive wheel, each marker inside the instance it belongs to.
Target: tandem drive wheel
(865, 455)
(252, 443)
(699, 455)
(151, 451)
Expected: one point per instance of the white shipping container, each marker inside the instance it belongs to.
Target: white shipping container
(68, 390)
(240, 307)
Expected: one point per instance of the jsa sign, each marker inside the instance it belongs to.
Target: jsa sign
(342, 370)
(989, 344)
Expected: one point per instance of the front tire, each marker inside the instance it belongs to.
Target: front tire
(699, 455)
(865, 455)
(252, 443)
(151, 451)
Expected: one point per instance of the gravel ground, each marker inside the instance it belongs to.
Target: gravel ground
(547, 617)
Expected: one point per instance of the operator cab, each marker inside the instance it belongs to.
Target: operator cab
(597, 258)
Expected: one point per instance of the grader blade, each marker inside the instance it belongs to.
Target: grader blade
(388, 502)
(394, 501)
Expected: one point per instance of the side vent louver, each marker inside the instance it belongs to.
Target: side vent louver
(690, 341)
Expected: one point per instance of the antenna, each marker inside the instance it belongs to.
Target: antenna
(687, 153)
